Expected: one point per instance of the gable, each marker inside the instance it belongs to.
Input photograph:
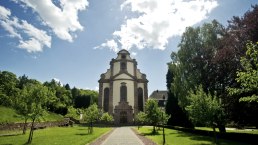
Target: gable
(123, 76)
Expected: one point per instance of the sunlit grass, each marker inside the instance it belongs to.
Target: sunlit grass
(249, 131)
(175, 137)
(8, 115)
(76, 135)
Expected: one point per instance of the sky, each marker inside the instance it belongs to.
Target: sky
(73, 41)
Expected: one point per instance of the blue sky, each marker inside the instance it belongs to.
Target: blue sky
(74, 40)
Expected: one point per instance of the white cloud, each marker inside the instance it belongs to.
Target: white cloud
(31, 45)
(111, 44)
(30, 38)
(63, 19)
(133, 54)
(58, 81)
(4, 13)
(159, 20)
(60, 16)
(96, 88)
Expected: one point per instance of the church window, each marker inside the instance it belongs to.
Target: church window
(123, 56)
(123, 92)
(123, 66)
(140, 99)
(106, 99)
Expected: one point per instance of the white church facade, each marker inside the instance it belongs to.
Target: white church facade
(123, 89)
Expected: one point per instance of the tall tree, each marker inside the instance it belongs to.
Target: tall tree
(8, 89)
(33, 101)
(233, 47)
(194, 59)
(247, 91)
(247, 77)
(179, 116)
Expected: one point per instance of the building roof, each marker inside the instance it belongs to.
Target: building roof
(159, 95)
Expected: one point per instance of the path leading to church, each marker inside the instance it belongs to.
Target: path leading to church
(122, 136)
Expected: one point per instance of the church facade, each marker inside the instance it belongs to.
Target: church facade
(123, 89)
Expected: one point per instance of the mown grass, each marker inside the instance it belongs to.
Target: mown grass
(249, 131)
(76, 135)
(8, 115)
(175, 137)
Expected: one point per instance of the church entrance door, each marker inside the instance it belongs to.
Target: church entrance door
(123, 117)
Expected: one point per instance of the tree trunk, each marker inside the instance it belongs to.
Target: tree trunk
(31, 131)
(154, 130)
(222, 128)
(24, 126)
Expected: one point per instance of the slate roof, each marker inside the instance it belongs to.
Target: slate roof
(159, 95)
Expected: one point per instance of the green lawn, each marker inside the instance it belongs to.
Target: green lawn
(175, 137)
(249, 131)
(9, 115)
(76, 135)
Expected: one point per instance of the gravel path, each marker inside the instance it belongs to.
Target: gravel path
(123, 136)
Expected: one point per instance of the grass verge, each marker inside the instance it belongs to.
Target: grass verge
(9, 115)
(248, 131)
(76, 135)
(175, 137)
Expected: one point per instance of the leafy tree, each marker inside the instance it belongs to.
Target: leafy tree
(8, 89)
(73, 112)
(106, 118)
(153, 113)
(67, 87)
(247, 91)
(33, 100)
(84, 98)
(62, 98)
(91, 115)
(248, 76)
(172, 108)
(205, 108)
(140, 119)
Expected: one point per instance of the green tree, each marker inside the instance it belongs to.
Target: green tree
(140, 119)
(91, 115)
(73, 112)
(106, 118)
(34, 97)
(247, 77)
(172, 107)
(8, 89)
(205, 109)
(62, 99)
(153, 113)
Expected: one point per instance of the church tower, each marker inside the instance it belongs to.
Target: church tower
(123, 89)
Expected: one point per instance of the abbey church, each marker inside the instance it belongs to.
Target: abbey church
(123, 89)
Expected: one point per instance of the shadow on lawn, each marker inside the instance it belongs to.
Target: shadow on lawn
(206, 138)
(82, 134)
(5, 135)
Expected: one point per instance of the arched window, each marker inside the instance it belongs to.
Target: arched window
(123, 66)
(140, 99)
(106, 99)
(123, 92)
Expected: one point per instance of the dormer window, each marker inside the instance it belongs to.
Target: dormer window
(123, 66)
(123, 56)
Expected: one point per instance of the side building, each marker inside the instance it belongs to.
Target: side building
(123, 89)
(160, 96)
